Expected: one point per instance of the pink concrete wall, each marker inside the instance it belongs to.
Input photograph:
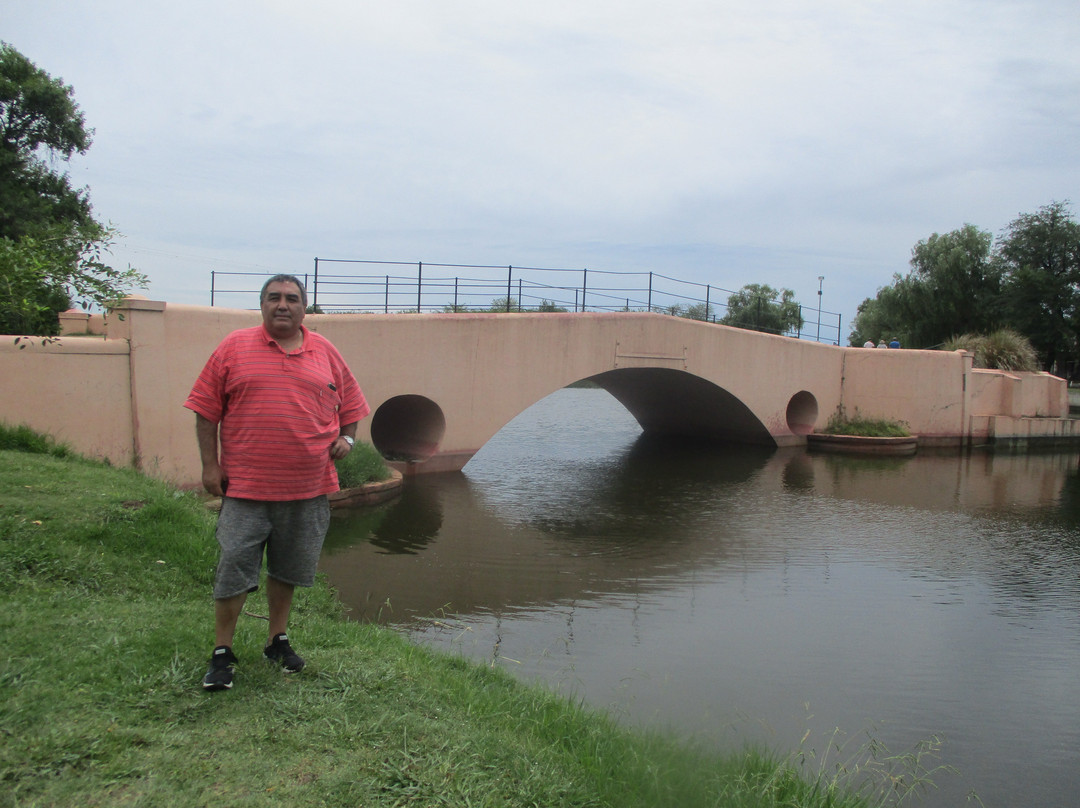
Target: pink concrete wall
(76, 321)
(924, 389)
(77, 390)
(1018, 394)
(122, 397)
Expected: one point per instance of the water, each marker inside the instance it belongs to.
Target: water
(739, 595)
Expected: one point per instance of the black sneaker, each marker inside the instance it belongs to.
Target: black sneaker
(281, 652)
(219, 675)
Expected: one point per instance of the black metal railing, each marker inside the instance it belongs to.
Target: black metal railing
(447, 288)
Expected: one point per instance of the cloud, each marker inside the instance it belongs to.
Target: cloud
(731, 143)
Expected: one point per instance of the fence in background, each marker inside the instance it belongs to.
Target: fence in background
(438, 288)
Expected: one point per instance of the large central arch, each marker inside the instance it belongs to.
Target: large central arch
(674, 402)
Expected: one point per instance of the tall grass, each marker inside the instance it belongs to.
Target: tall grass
(1003, 349)
(24, 439)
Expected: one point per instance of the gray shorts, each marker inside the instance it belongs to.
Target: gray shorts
(292, 534)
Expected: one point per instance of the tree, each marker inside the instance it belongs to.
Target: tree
(51, 247)
(39, 122)
(954, 287)
(882, 317)
(550, 306)
(761, 308)
(1040, 256)
(699, 311)
(505, 304)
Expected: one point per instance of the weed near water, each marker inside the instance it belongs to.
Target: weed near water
(863, 768)
(840, 423)
(362, 465)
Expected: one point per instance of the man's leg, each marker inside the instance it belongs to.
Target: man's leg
(226, 614)
(279, 596)
(219, 676)
(292, 554)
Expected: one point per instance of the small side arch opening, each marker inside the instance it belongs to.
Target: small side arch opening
(408, 428)
(802, 413)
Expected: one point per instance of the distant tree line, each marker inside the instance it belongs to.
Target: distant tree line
(963, 282)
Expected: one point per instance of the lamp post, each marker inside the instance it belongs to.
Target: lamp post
(820, 280)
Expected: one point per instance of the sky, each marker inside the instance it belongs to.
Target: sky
(724, 142)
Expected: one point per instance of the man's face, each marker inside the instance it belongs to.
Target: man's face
(282, 309)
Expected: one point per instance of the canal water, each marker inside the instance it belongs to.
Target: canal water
(835, 607)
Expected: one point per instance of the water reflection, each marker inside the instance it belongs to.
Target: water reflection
(406, 527)
(689, 585)
(659, 510)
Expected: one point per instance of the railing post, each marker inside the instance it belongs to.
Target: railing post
(315, 286)
(706, 302)
(419, 283)
(386, 298)
(584, 286)
(509, 284)
(455, 295)
(519, 295)
(650, 294)
(212, 274)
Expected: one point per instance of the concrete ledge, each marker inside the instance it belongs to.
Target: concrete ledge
(70, 345)
(436, 464)
(368, 494)
(139, 303)
(1018, 432)
(856, 444)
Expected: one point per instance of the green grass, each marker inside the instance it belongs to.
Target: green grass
(842, 424)
(362, 465)
(105, 611)
(24, 439)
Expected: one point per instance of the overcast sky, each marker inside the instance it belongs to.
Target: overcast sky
(721, 141)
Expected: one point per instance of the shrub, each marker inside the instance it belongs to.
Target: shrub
(840, 423)
(1003, 349)
(362, 465)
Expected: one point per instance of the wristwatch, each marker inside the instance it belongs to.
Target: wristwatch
(348, 440)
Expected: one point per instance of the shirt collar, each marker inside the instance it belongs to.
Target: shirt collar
(270, 338)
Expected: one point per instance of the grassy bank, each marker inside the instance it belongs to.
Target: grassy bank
(106, 618)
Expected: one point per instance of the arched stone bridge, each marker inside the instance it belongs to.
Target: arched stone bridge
(441, 385)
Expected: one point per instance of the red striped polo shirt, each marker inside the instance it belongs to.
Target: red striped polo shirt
(278, 413)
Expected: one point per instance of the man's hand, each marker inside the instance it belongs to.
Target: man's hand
(214, 481)
(339, 448)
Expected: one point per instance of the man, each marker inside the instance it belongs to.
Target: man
(274, 406)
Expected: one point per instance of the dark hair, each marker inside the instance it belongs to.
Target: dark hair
(283, 278)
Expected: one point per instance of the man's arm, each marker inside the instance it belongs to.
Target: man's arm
(339, 448)
(206, 431)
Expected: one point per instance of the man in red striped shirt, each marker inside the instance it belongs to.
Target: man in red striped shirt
(274, 406)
